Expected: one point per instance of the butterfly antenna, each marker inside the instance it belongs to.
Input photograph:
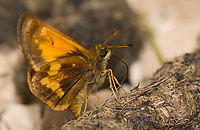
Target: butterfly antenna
(110, 37)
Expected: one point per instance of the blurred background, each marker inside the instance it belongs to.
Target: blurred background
(158, 30)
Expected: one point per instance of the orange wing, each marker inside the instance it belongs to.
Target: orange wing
(42, 44)
(61, 67)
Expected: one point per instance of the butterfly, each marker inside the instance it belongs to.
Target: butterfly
(62, 72)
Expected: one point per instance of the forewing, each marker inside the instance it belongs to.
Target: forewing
(42, 44)
(59, 82)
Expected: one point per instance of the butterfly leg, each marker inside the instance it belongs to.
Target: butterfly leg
(113, 80)
(119, 84)
(87, 90)
(96, 98)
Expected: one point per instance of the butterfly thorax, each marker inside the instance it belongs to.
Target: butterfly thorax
(102, 54)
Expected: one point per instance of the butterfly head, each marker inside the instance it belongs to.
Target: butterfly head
(102, 52)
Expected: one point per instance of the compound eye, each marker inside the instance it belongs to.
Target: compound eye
(102, 52)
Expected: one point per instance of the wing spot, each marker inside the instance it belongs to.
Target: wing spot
(52, 72)
(53, 86)
(60, 92)
(44, 81)
(54, 67)
(36, 41)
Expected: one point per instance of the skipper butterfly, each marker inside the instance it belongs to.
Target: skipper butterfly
(62, 71)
